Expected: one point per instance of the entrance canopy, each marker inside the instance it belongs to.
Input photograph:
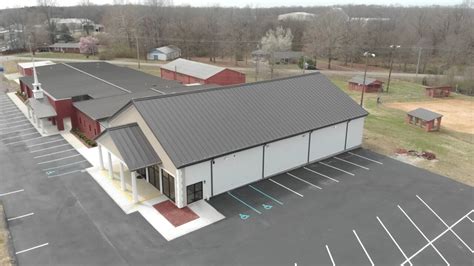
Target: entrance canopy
(41, 108)
(131, 145)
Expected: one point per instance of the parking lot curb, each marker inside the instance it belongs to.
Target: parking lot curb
(4, 227)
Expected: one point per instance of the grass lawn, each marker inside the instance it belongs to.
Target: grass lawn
(386, 130)
(5, 258)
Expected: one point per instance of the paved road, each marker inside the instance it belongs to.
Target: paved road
(66, 218)
(293, 71)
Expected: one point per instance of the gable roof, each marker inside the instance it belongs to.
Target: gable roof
(132, 145)
(65, 45)
(360, 80)
(192, 68)
(166, 49)
(197, 126)
(424, 114)
(96, 79)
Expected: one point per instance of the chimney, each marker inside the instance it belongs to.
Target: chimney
(37, 90)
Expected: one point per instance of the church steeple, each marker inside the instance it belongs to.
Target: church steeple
(37, 90)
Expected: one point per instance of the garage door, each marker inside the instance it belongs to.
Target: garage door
(327, 141)
(286, 154)
(238, 169)
(355, 130)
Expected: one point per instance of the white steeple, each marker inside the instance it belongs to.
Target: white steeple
(37, 90)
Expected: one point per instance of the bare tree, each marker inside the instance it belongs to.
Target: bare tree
(47, 7)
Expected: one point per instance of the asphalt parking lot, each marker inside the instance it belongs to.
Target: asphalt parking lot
(360, 208)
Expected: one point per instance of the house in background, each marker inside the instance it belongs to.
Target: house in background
(278, 57)
(164, 53)
(67, 47)
(190, 72)
(371, 85)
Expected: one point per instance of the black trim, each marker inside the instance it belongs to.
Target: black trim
(263, 161)
(309, 145)
(347, 129)
(212, 179)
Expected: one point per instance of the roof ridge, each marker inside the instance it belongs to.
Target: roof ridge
(90, 75)
(223, 87)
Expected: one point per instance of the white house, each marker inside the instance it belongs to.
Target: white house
(164, 53)
(197, 144)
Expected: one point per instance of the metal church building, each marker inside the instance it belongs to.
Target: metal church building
(199, 144)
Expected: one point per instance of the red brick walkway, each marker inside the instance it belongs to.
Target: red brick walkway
(175, 215)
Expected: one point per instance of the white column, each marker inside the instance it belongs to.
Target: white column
(101, 158)
(179, 194)
(42, 126)
(134, 187)
(147, 174)
(161, 180)
(29, 112)
(38, 121)
(33, 116)
(122, 177)
(111, 173)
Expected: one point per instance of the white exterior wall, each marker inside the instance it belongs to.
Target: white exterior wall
(286, 154)
(196, 173)
(237, 169)
(355, 133)
(327, 141)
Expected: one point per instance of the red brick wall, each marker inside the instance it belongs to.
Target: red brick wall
(25, 71)
(63, 108)
(226, 77)
(166, 74)
(85, 124)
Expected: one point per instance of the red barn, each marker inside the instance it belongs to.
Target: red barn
(371, 85)
(438, 91)
(26, 68)
(188, 72)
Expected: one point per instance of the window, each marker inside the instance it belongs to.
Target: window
(194, 192)
(168, 185)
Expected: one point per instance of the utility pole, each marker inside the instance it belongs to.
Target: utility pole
(419, 59)
(392, 51)
(138, 50)
(367, 55)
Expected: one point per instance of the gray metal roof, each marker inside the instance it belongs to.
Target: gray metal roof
(65, 45)
(133, 146)
(198, 126)
(102, 108)
(96, 79)
(166, 49)
(360, 80)
(41, 107)
(424, 114)
(192, 68)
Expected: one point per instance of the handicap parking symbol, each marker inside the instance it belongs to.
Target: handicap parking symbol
(267, 207)
(50, 172)
(244, 216)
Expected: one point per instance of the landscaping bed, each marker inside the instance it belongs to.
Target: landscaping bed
(83, 138)
(7, 256)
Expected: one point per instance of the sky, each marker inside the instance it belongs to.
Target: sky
(254, 3)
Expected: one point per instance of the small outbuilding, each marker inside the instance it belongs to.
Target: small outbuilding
(438, 91)
(26, 68)
(424, 118)
(164, 53)
(371, 85)
(189, 72)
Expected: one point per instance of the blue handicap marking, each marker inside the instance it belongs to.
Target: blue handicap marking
(244, 216)
(50, 172)
(267, 207)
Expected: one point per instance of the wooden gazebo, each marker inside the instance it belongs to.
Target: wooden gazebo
(424, 118)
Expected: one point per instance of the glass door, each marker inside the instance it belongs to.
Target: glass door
(168, 185)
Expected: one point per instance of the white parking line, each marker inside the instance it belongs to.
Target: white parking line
(289, 189)
(333, 167)
(363, 157)
(11, 118)
(9, 112)
(21, 216)
(15, 124)
(304, 181)
(17, 130)
(452, 231)
(42, 143)
(424, 236)
(49, 148)
(472, 221)
(323, 175)
(20, 141)
(67, 157)
(71, 172)
(349, 162)
(330, 256)
(11, 192)
(362, 245)
(436, 238)
(9, 108)
(19, 136)
(64, 165)
(29, 249)
(53, 153)
(394, 241)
